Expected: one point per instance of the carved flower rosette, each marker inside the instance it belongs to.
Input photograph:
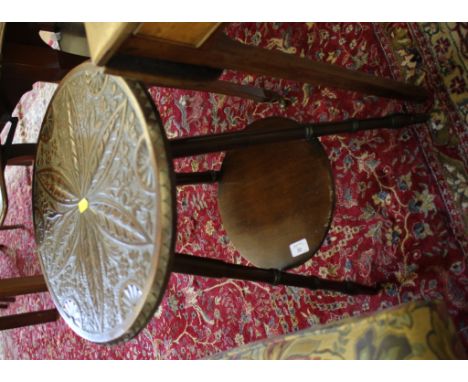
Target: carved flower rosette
(103, 203)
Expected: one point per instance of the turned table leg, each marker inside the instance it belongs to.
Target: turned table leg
(22, 285)
(27, 319)
(270, 130)
(200, 266)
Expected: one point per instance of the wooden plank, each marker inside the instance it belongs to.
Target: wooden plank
(22, 285)
(104, 39)
(225, 53)
(191, 34)
(27, 319)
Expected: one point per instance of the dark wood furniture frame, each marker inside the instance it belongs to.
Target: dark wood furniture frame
(149, 52)
(26, 59)
(212, 143)
(170, 74)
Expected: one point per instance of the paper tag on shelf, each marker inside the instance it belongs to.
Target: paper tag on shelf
(299, 247)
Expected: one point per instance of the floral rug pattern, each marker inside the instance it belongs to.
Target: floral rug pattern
(401, 209)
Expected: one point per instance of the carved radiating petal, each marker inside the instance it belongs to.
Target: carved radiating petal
(73, 138)
(118, 224)
(57, 186)
(64, 247)
(91, 262)
(104, 149)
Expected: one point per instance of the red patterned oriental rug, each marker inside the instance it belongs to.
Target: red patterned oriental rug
(401, 212)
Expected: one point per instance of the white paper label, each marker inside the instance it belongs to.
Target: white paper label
(299, 247)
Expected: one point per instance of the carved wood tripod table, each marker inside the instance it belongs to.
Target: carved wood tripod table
(104, 203)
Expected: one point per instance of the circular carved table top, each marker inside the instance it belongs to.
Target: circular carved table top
(104, 204)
